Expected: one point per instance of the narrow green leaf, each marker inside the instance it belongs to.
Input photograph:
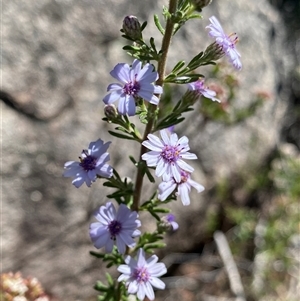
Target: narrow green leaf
(143, 26)
(195, 59)
(108, 184)
(195, 16)
(154, 215)
(178, 66)
(152, 43)
(116, 175)
(149, 175)
(131, 48)
(161, 210)
(98, 255)
(167, 124)
(121, 135)
(99, 286)
(158, 25)
(154, 246)
(109, 265)
(133, 160)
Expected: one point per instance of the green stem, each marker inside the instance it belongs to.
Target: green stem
(151, 116)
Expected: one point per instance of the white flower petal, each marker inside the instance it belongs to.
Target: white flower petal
(189, 156)
(141, 291)
(165, 136)
(155, 141)
(152, 146)
(133, 288)
(149, 291)
(157, 283)
(125, 269)
(196, 185)
(165, 189)
(157, 269)
(183, 192)
(176, 173)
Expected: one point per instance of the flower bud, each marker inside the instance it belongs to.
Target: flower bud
(132, 27)
(167, 223)
(190, 97)
(110, 111)
(199, 4)
(214, 52)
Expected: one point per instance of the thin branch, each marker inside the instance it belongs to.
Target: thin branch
(234, 277)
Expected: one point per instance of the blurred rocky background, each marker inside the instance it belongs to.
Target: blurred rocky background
(56, 59)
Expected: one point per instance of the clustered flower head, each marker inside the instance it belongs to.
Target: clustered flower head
(199, 88)
(226, 42)
(167, 154)
(115, 227)
(183, 187)
(137, 82)
(92, 164)
(141, 274)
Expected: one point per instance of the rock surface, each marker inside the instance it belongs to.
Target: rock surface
(56, 61)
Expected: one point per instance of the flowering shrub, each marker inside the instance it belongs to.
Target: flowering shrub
(138, 92)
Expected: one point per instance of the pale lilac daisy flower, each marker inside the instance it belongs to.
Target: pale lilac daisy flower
(92, 164)
(226, 42)
(168, 221)
(115, 227)
(137, 81)
(141, 274)
(199, 88)
(167, 154)
(166, 187)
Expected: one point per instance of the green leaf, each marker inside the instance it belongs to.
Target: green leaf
(118, 135)
(96, 254)
(143, 26)
(109, 278)
(166, 124)
(131, 48)
(195, 16)
(152, 43)
(154, 214)
(116, 175)
(195, 59)
(185, 79)
(178, 66)
(158, 25)
(133, 161)
(149, 175)
(154, 246)
(161, 210)
(99, 286)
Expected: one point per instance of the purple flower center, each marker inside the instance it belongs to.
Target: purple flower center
(170, 153)
(141, 274)
(233, 39)
(170, 218)
(199, 85)
(114, 228)
(184, 176)
(132, 88)
(89, 162)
